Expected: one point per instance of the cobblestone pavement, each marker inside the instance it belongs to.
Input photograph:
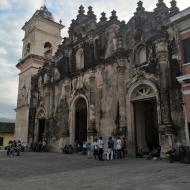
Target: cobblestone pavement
(53, 171)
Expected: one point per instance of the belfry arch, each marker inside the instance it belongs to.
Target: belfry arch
(143, 117)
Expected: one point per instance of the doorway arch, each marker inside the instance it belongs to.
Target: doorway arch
(80, 121)
(143, 116)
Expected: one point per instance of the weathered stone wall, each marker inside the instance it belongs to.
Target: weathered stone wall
(110, 65)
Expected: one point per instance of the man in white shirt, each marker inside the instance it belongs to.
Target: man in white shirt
(95, 147)
(100, 148)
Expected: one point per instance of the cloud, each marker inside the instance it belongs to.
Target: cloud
(13, 15)
(3, 51)
(5, 4)
(8, 90)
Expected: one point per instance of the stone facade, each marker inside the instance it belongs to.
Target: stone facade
(125, 75)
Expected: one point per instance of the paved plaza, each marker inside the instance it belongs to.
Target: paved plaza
(53, 171)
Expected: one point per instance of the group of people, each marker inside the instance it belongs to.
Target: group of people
(41, 146)
(115, 149)
(14, 148)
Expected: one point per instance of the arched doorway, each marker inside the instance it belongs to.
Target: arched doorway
(144, 118)
(80, 121)
(40, 125)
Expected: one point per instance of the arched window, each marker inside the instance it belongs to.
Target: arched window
(47, 45)
(28, 48)
(142, 55)
(48, 49)
(80, 59)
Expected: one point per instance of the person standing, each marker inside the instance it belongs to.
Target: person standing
(44, 146)
(100, 148)
(84, 148)
(10, 150)
(110, 149)
(124, 146)
(95, 147)
(89, 150)
(118, 147)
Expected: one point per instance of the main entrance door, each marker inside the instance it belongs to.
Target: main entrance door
(80, 121)
(146, 125)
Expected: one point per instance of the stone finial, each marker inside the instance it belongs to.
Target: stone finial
(90, 11)
(140, 6)
(160, 3)
(81, 10)
(174, 9)
(60, 21)
(113, 15)
(103, 18)
(161, 7)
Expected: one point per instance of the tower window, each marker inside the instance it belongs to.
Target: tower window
(47, 45)
(80, 59)
(48, 49)
(186, 50)
(28, 48)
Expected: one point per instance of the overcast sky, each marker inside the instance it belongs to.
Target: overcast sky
(13, 15)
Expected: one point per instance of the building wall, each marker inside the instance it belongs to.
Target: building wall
(6, 138)
(182, 31)
(113, 75)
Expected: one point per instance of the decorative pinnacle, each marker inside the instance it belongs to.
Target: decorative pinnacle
(81, 10)
(113, 15)
(160, 3)
(103, 17)
(174, 9)
(140, 6)
(90, 11)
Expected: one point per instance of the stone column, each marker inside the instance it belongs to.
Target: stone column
(67, 87)
(121, 91)
(47, 108)
(92, 119)
(166, 128)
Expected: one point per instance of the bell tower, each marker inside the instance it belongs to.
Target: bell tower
(41, 39)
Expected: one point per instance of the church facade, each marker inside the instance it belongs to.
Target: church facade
(107, 78)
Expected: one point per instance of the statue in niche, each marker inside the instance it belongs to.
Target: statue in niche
(100, 79)
(63, 92)
(92, 112)
(56, 74)
(79, 83)
(24, 95)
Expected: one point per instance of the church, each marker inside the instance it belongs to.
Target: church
(107, 78)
